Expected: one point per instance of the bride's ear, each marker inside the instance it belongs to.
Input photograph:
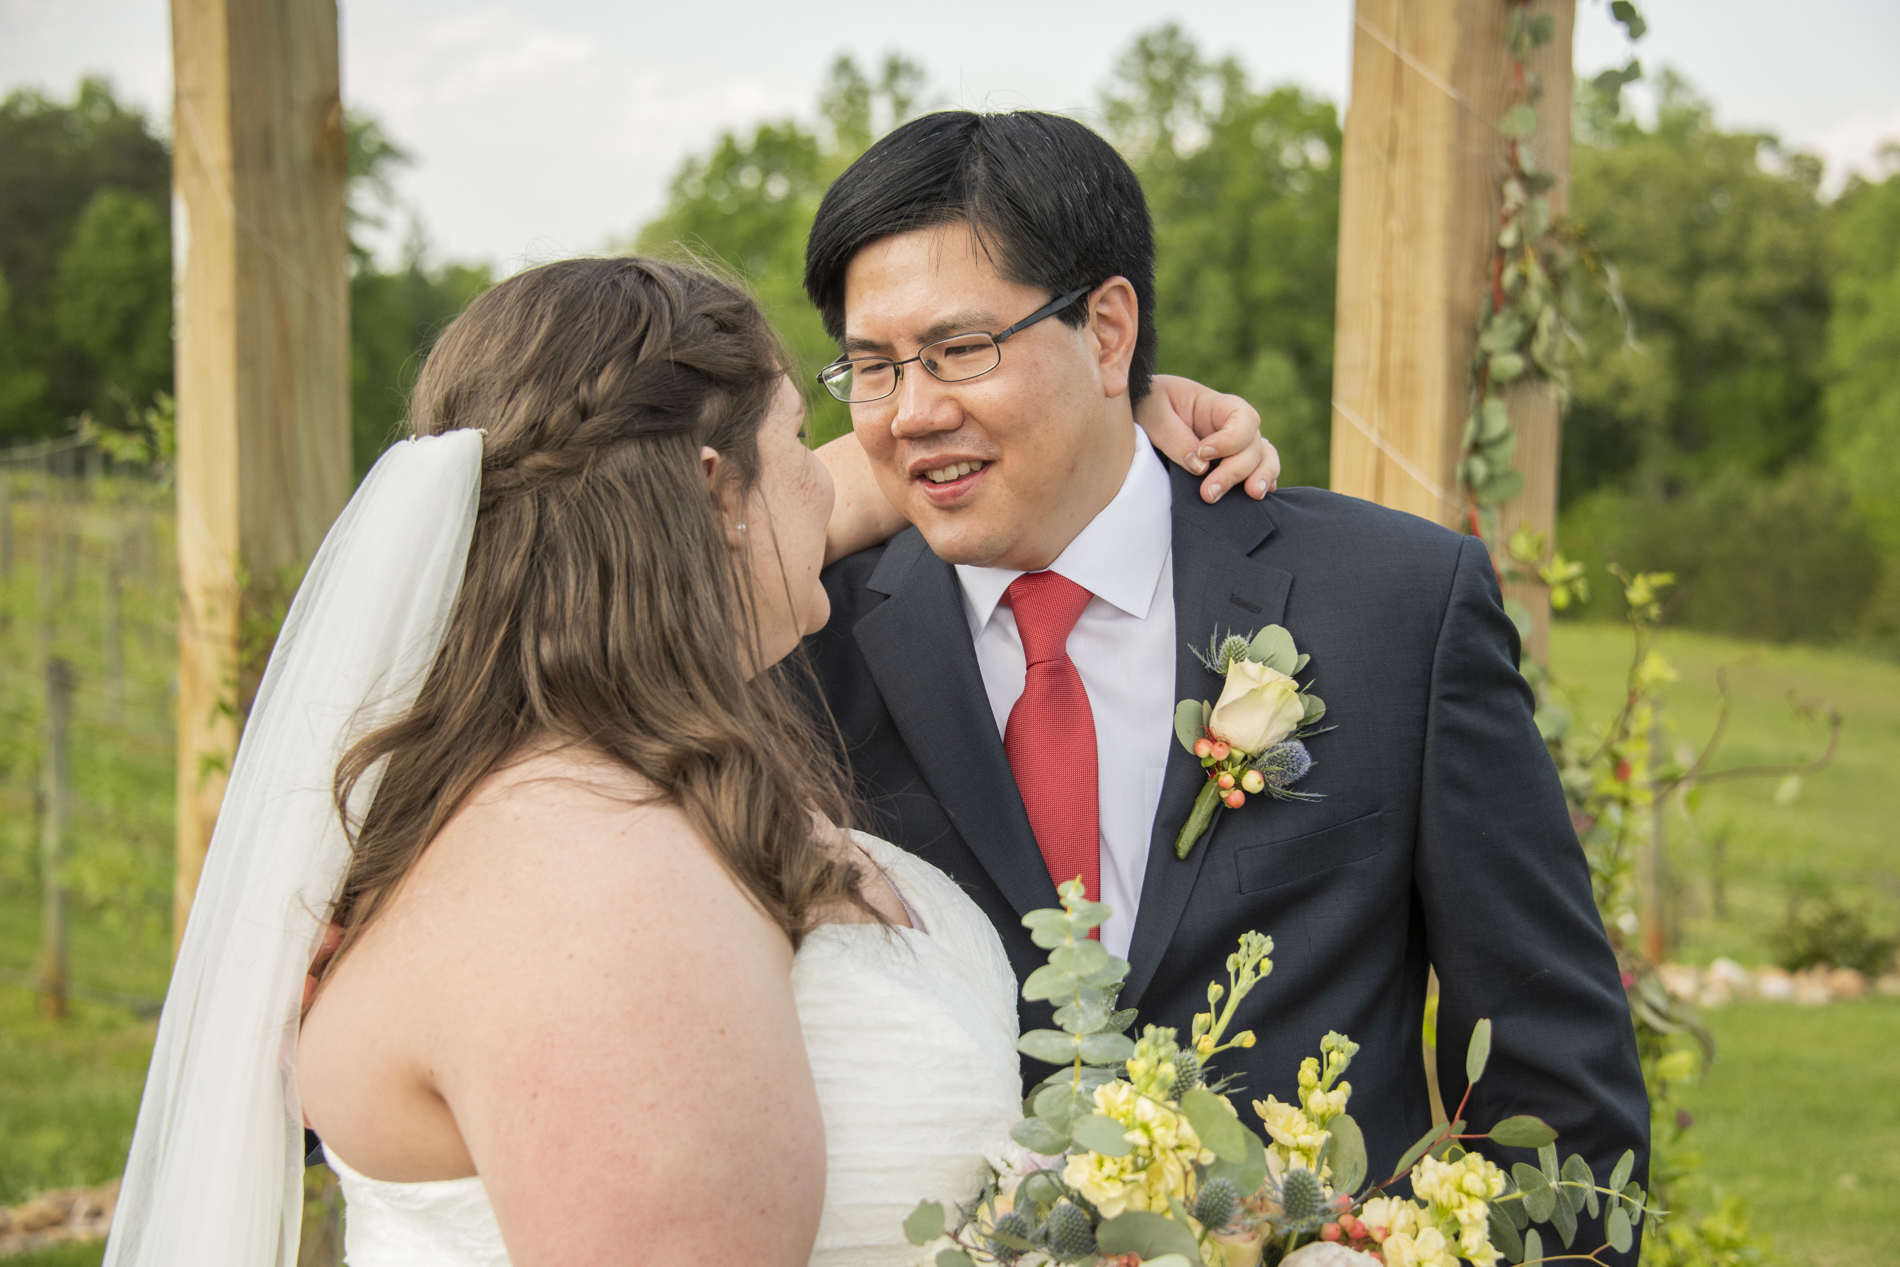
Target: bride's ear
(720, 491)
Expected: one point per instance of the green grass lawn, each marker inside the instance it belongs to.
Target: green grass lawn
(1801, 1115)
(1734, 864)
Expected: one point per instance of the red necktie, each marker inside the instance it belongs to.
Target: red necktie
(1050, 739)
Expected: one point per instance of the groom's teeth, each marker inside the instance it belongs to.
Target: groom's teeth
(956, 470)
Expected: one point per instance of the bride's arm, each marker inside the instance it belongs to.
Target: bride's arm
(626, 1066)
(1193, 425)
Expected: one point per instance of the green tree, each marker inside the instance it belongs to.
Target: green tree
(748, 205)
(1720, 242)
(55, 159)
(394, 319)
(113, 302)
(1244, 189)
(1863, 366)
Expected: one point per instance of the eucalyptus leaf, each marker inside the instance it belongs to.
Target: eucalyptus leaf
(1048, 928)
(1107, 1049)
(1633, 1201)
(1081, 959)
(1041, 1187)
(1563, 1218)
(1273, 647)
(1049, 1045)
(1501, 487)
(1050, 982)
(1090, 1013)
(1523, 1131)
(1495, 418)
(1348, 1157)
(1533, 1246)
(1478, 1052)
(1111, 973)
(1146, 1235)
(1248, 1175)
(954, 1258)
(1216, 1124)
(1506, 367)
(1583, 1192)
(1418, 1150)
(1539, 1198)
(1187, 723)
(1039, 1137)
(925, 1223)
(1520, 1217)
(1102, 1135)
(1621, 1174)
(1547, 1162)
(1503, 1234)
(1059, 1106)
(1302, 662)
(1618, 1232)
(1123, 1019)
(1519, 122)
(1315, 708)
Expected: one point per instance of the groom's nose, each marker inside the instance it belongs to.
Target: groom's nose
(924, 405)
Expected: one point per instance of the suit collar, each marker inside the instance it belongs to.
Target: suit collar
(917, 647)
(1217, 588)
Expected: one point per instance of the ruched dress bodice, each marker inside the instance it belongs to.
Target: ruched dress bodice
(911, 1036)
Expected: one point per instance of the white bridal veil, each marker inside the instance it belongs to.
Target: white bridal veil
(215, 1174)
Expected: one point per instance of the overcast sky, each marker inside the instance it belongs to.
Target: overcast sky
(547, 127)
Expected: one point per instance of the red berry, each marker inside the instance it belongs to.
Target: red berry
(1235, 799)
(1203, 747)
(1330, 1232)
(1220, 751)
(1226, 780)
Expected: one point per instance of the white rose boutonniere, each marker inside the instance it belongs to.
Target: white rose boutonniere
(1252, 741)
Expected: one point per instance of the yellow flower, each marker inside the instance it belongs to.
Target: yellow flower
(1258, 707)
(1457, 1193)
(1157, 1167)
(1428, 1248)
(1291, 1129)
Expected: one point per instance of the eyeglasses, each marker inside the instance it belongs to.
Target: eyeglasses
(956, 359)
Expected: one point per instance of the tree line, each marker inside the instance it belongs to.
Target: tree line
(1747, 440)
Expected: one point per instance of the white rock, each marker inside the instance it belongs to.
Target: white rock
(1737, 979)
(1682, 980)
(1775, 984)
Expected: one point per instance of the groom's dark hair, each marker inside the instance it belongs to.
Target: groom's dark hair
(1053, 205)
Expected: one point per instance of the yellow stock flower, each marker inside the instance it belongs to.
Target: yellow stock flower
(1165, 1149)
(1291, 1129)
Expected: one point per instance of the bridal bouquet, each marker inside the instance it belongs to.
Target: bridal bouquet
(1131, 1153)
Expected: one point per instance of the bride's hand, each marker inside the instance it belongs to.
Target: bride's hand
(1195, 426)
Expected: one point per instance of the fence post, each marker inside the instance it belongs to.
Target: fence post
(56, 800)
(112, 621)
(1651, 867)
(6, 546)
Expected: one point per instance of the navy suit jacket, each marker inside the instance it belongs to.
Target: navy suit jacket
(1442, 840)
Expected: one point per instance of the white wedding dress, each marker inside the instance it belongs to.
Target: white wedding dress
(911, 1034)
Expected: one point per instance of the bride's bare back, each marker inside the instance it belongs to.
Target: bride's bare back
(570, 996)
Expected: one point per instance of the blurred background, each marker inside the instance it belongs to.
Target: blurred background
(1733, 421)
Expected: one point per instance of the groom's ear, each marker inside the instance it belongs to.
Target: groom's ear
(1114, 324)
(720, 490)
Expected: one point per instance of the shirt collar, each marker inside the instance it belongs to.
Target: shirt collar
(1117, 557)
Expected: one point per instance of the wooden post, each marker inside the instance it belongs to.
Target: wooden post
(112, 620)
(262, 355)
(1420, 199)
(55, 811)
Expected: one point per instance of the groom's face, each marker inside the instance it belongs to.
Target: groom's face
(1005, 469)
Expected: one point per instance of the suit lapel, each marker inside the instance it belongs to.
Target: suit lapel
(1216, 588)
(918, 649)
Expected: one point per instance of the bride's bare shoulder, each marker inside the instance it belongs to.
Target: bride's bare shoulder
(568, 830)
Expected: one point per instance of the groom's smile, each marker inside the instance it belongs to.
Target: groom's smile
(1005, 468)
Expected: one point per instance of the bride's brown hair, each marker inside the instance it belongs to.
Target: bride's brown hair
(602, 604)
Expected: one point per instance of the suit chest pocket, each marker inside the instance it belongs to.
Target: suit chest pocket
(1283, 862)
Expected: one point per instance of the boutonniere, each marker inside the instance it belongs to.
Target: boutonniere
(1251, 742)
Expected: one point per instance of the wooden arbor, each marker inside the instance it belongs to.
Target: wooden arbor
(263, 369)
(1420, 202)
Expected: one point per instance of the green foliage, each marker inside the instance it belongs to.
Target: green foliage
(55, 159)
(1785, 559)
(1820, 929)
(1863, 390)
(747, 207)
(114, 302)
(394, 319)
(1720, 242)
(1243, 184)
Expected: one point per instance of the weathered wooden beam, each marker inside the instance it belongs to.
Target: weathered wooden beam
(1419, 206)
(262, 293)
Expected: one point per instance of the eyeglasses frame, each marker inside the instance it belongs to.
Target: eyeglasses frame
(1049, 309)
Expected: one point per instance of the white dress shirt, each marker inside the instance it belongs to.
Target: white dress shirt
(1123, 648)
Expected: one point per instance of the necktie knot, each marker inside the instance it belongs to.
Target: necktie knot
(1047, 606)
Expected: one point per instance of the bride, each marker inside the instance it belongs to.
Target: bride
(611, 985)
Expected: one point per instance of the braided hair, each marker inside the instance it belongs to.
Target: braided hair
(602, 604)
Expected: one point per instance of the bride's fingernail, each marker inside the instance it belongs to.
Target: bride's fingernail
(1213, 492)
(1196, 463)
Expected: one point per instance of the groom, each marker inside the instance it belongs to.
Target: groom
(1004, 673)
